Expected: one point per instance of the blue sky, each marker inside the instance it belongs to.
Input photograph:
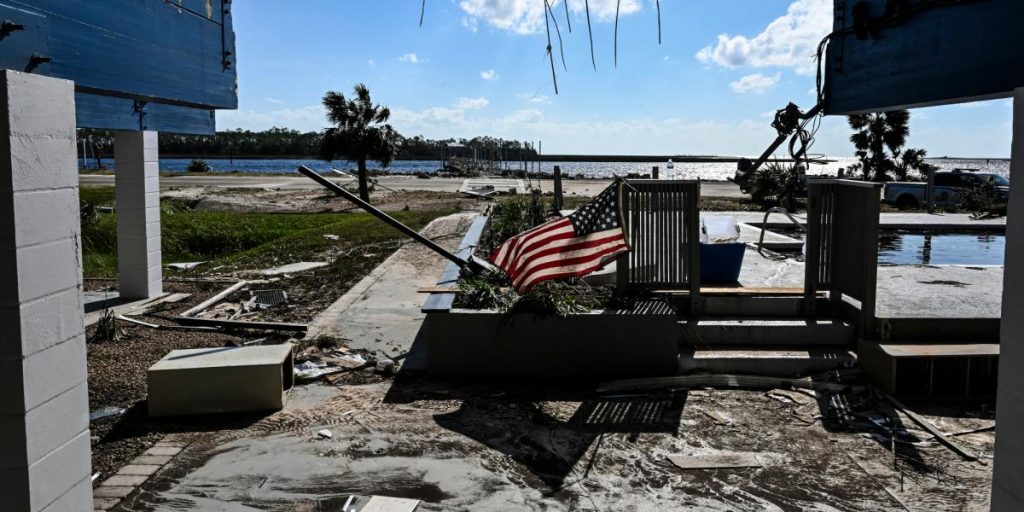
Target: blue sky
(478, 67)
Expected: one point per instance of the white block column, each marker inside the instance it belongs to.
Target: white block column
(1008, 471)
(137, 184)
(44, 415)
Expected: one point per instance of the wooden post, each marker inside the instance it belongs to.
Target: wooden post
(929, 191)
(558, 188)
(654, 173)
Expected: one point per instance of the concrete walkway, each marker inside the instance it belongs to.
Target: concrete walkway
(381, 313)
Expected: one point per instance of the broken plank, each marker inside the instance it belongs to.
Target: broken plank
(159, 326)
(927, 425)
(386, 504)
(215, 299)
(238, 324)
(715, 461)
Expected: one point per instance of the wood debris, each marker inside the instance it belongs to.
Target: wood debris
(715, 461)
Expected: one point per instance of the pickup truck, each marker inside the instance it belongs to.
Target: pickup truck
(905, 195)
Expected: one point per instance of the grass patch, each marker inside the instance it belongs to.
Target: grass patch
(245, 240)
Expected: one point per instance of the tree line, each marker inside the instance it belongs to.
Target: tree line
(288, 143)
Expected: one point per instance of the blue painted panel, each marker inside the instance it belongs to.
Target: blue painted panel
(111, 113)
(157, 50)
(952, 53)
(22, 36)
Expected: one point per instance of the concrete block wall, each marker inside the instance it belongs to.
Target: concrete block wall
(1008, 470)
(137, 185)
(44, 416)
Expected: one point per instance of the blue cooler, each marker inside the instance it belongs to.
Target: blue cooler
(721, 263)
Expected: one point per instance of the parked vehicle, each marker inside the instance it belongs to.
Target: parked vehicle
(948, 185)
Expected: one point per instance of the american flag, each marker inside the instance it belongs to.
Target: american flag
(571, 246)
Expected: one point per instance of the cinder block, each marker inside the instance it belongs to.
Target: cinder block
(42, 323)
(137, 229)
(56, 422)
(134, 199)
(61, 470)
(27, 93)
(135, 147)
(31, 155)
(42, 216)
(53, 371)
(78, 498)
(201, 381)
(48, 268)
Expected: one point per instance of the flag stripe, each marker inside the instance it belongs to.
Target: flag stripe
(569, 249)
(571, 246)
(568, 261)
(520, 247)
(504, 253)
(578, 269)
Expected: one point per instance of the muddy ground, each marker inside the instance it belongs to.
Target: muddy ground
(458, 446)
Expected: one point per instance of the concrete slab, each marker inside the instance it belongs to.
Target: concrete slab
(381, 313)
(946, 291)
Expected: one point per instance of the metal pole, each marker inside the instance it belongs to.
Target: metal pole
(558, 188)
(310, 173)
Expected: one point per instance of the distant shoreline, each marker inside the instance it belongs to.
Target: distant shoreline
(553, 158)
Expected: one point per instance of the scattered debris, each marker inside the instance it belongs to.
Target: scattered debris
(325, 433)
(293, 268)
(717, 416)
(787, 396)
(311, 370)
(385, 365)
(716, 461)
(105, 412)
(185, 266)
(925, 424)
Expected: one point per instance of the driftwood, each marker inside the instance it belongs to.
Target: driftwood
(927, 425)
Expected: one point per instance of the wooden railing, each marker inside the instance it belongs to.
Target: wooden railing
(842, 245)
(662, 223)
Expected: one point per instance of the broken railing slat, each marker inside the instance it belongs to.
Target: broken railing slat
(238, 324)
(215, 299)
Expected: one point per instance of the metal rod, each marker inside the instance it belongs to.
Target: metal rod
(310, 173)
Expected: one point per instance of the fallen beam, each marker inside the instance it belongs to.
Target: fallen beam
(215, 299)
(927, 425)
(717, 381)
(238, 324)
(167, 327)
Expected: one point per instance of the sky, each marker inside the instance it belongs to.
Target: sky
(479, 67)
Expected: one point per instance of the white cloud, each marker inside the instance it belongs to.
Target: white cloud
(755, 83)
(789, 41)
(527, 16)
(273, 100)
(489, 74)
(471, 103)
(412, 58)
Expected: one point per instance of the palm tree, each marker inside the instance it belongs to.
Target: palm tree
(359, 132)
(873, 135)
(912, 160)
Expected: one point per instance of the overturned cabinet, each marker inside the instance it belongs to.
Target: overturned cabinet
(220, 380)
